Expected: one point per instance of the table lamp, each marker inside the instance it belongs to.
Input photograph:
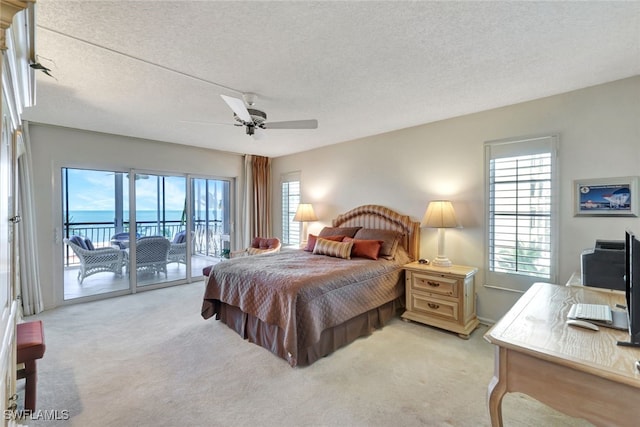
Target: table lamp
(305, 214)
(440, 215)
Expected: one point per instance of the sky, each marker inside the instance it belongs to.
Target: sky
(95, 190)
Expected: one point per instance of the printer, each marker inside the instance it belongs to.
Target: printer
(604, 265)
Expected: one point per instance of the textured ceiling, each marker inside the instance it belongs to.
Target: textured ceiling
(156, 69)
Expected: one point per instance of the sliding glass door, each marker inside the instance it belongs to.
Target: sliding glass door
(92, 213)
(211, 218)
(161, 228)
(180, 225)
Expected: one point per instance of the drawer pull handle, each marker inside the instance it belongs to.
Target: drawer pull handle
(433, 284)
(433, 306)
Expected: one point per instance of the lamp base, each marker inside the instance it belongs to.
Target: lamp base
(441, 261)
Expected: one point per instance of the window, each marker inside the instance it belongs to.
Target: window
(290, 186)
(521, 221)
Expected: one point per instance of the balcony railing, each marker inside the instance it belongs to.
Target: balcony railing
(208, 238)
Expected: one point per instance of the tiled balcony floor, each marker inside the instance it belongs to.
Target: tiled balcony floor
(102, 283)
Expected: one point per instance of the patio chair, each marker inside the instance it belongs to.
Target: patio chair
(94, 260)
(178, 248)
(121, 240)
(152, 254)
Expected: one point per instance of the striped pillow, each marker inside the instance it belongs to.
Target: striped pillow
(332, 248)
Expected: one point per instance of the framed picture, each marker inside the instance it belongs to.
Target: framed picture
(606, 197)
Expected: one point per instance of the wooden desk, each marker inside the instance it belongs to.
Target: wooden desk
(574, 370)
(575, 280)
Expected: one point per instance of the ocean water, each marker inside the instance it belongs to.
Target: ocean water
(94, 217)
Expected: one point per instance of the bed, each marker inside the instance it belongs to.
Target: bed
(303, 304)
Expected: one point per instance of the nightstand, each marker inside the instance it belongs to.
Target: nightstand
(443, 297)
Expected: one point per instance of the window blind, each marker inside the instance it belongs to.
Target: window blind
(290, 188)
(520, 216)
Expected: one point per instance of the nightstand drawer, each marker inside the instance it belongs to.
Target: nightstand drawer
(434, 307)
(443, 297)
(434, 284)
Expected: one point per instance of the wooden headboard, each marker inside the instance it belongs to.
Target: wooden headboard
(375, 216)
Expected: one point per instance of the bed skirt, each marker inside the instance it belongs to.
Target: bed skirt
(271, 337)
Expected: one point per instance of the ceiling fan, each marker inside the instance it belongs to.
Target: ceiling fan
(254, 120)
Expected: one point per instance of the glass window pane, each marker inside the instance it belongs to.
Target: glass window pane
(519, 231)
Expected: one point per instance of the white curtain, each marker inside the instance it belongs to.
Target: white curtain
(29, 272)
(247, 202)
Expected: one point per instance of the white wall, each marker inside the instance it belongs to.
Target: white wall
(56, 147)
(599, 137)
(599, 130)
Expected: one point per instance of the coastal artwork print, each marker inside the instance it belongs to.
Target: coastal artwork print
(606, 197)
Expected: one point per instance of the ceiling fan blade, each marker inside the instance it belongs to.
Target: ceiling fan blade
(293, 124)
(238, 107)
(200, 122)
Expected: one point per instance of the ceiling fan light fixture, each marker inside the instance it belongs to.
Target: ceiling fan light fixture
(250, 98)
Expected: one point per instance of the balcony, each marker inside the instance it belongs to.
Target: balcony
(208, 245)
(208, 240)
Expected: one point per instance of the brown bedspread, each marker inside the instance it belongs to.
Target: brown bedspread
(303, 293)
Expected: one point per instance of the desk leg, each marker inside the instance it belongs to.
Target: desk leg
(497, 387)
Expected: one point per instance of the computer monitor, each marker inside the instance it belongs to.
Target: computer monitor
(632, 285)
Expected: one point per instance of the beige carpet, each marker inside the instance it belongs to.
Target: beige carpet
(150, 360)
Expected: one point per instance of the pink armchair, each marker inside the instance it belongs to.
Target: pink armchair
(259, 246)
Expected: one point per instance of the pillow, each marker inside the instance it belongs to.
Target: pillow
(336, 231)
(89, 244)
(180, 237)
(364, 248)
(390, 240)
(78, 241)
(334, 249)
(311, 242)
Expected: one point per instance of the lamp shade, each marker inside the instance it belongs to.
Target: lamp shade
(305, 213)
(440, 214)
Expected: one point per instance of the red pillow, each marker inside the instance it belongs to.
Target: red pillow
(364, 248)
(311, 242)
